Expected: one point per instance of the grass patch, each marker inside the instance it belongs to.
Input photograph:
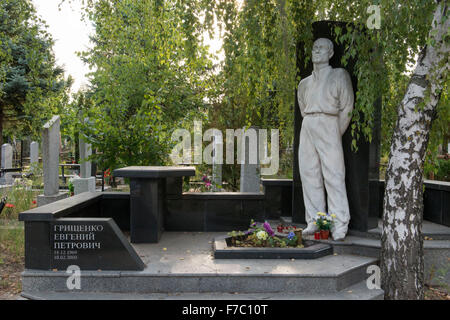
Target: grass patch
(20, 197)
(12, 247)
(436, 293)
(12, 239)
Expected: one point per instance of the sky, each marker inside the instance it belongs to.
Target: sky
(71, 34)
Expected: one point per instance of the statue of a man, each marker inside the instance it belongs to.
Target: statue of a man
(326, 101)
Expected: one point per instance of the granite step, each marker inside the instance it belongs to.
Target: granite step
(183, 262)
(357, 291)
(324, 275)
(430, 230)
(436, 250)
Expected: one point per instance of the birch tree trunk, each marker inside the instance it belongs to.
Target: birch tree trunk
(402, 263)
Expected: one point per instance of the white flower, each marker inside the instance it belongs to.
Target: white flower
(262, 235)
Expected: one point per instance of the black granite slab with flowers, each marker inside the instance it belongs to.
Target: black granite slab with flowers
(312, 250)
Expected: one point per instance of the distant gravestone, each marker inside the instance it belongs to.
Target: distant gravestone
(50, 159)
(86, 183)
(6, 163)
(85, 153)
(7, 156)
(34, 152)
(250, 170)
(217, 165)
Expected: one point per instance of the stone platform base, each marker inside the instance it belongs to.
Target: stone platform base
(84, 185)
(358, 291)
(182, 264)
(42, 200)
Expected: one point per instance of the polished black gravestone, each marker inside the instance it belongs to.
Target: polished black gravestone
(311, 250)
(88, 243)
(278, 198)
(147, 198)
(361, 167)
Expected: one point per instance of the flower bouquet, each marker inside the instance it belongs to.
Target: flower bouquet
(324, 222)
(264, 236)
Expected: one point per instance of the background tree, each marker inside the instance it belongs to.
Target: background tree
(402, 244)
(254, 86)
(151, 77)
(72, 114)
(31, 84)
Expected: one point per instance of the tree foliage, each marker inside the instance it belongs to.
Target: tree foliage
(151, 76)
(31, 84)
(152, 73)
(259, 68)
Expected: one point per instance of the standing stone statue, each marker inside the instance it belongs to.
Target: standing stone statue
(326, 101)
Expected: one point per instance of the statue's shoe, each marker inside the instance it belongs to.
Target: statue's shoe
(339, 232)
(310, 229)
(338, 236)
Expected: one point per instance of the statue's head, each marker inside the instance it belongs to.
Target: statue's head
(322, 50)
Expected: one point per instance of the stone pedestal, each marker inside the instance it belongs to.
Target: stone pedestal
(83, 185)
(42, 200)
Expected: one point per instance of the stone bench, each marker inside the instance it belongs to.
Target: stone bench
(147, 198)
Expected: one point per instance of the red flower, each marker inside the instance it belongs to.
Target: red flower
(107, 173)
(33, 202)
(9, 205)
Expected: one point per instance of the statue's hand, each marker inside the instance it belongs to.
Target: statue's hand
(344, 122)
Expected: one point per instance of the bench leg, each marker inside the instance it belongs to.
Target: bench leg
(146, 209)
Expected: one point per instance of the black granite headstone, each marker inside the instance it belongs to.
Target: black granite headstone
(89, 243)
(362, 167)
